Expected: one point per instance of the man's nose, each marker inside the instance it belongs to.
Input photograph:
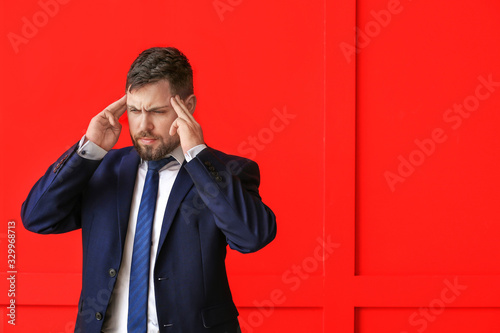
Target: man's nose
(146, 123)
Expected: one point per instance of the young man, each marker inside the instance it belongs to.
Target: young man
(156, 217)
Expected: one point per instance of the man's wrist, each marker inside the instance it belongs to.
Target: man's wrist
(191, 153)
(89, 150)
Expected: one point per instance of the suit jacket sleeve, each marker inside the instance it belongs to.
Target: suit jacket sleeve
(228, 185)
(54, 203)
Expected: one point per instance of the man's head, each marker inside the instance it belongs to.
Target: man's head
(154, 77)
(162, 63)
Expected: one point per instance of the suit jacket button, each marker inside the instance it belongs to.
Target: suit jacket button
(112, 272)
(98, 316)
(207, 163)
(218, 178)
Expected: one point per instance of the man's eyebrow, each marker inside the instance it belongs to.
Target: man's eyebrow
(157, 108)
(151, 109)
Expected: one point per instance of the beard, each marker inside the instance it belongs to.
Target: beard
(149, 153)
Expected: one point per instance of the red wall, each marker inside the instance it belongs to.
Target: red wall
(360, 147)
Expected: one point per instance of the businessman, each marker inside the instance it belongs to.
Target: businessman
(156, 218)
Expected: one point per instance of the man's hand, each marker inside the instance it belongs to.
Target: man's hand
(189, 130)
(104, 129)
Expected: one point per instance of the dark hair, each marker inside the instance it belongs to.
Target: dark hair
(162, 63)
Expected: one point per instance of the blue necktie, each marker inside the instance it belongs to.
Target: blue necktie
(139, 270)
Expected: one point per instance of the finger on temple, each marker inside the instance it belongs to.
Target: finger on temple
(184, 110)
(118, 107)
(177, 107)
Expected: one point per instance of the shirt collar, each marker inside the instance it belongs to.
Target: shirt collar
(178, 154)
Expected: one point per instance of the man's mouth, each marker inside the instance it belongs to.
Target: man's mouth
(147, 141)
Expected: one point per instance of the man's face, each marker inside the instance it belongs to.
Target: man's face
(150, 116)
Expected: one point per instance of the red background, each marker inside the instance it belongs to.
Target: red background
(354, 114)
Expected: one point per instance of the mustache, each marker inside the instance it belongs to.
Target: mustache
(146, 134)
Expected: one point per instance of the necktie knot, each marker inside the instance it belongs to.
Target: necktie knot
(157, 165)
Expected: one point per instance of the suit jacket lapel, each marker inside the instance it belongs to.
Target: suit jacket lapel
(127, 175)
(182, 184)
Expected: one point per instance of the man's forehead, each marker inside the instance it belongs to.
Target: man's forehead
(151, 95)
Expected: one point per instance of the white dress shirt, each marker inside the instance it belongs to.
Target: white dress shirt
(115, 320)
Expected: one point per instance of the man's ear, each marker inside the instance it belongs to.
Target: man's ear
(190, 103)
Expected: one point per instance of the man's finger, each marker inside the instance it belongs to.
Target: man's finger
(110, 118)
(173, 128)
(184, 107)
(118, 107)
(177, 108)
(180, 108)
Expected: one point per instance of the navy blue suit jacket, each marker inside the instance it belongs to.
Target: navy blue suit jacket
(214, 202)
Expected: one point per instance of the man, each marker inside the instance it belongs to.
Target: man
(154, 234)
